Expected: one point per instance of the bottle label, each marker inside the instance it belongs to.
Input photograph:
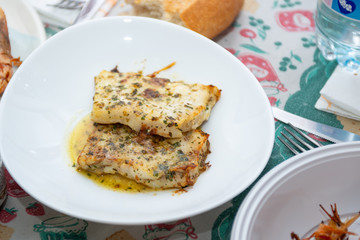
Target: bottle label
(348, 8)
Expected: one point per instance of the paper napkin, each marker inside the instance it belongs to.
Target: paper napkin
(60, 13)
(341, 94)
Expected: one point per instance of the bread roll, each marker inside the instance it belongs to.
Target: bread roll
(207, 17)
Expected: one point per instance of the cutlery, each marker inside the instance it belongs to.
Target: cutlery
(297, 144)
(332, 134)
(88, 10)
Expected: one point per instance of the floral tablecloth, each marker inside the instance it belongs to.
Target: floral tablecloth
(275, 39)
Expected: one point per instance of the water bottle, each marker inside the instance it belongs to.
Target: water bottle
(338, 32)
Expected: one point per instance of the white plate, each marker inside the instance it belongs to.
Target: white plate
(287, 198)
(54, 87)
(26, 31)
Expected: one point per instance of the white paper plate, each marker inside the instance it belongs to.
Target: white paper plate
(287, 198)
(26, 31)
(54, 88)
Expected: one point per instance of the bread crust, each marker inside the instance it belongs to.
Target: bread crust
(207, 17)
(210, 17)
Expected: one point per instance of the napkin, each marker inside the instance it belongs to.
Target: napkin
(341, 94)
(61, 13)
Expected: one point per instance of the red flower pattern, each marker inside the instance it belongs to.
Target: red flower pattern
(248, 33)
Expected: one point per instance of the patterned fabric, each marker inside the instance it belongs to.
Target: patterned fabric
(275, 39)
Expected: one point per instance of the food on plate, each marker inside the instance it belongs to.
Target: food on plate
(334, 229)
(144, 129)
(116, 182)
(6, 60)
(207, 17)
(152, 160)
(152, 104)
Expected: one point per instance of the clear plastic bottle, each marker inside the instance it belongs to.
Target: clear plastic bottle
(338, 31)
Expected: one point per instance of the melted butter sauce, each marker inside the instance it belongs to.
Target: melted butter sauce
(115, 182)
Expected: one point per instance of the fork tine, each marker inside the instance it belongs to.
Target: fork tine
(293, 143)
(299, 139)
(296, 144)
(68, 4)
(305, 136)
(288, 146)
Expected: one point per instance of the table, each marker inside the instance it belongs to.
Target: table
(276, 41)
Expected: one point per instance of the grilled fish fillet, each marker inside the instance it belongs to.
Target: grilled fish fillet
(152, 160)
(157, 105)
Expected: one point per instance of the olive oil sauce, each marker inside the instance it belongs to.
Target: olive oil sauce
(116, 182)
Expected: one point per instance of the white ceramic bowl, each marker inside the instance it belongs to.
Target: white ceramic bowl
(54, 87)
(287, 198)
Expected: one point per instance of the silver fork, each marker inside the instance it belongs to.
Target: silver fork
(301, 145)
(69, 4)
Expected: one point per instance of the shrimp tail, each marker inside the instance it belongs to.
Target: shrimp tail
(6, 60)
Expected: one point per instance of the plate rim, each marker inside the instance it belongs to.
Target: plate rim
(249, 207)
(266, 154)
(41, 34)
(35, 18)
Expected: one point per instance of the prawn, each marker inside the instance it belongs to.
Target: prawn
(335, 229)
(6, 60)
